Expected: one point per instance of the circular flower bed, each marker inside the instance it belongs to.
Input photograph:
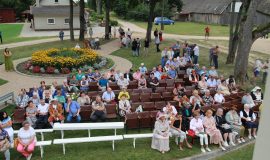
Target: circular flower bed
(64, 61)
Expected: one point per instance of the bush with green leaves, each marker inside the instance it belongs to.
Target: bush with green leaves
(114, 23)
(121, 8)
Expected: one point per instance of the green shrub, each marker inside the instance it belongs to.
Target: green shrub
(121, 8)
(113, 23)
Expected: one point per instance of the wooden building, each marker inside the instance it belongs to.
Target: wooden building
(7, 15)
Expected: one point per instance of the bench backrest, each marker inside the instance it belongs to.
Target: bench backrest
(38, 131)
(85, 126)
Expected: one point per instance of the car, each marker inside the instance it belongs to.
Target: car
(166, 21)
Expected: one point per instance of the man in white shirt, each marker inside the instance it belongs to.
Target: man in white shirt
(108, 96)
(122, 82)
(129, 33)
(212, 82)
(219, 98)
(169, 109)
(42, 109)
(196, 54)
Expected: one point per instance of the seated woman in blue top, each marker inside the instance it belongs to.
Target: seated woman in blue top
(73, 109)
(172, 73)
(79, 75)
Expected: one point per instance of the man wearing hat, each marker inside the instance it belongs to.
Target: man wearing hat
(143, 69)
(56, 112)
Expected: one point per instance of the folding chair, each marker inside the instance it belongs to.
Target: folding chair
(149, 106)
(132, 121)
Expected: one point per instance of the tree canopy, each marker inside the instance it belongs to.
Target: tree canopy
(18, 5)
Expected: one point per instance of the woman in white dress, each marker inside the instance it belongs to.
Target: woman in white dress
(124, 105)
(160, 140)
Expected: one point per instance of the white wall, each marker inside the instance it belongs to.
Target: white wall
(41, 23)
(52, 2)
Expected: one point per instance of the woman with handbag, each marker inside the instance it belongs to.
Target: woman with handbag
(211, 129)
(27, 140)
(224, 127)
(234, 120)
(196, 128)
(4, 143)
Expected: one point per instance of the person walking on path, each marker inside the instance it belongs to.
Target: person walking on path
(61, 35)
(1, 39)
(90, 32)
(207, 32)
(8, 60)
(215, 56)
(146, 47)
(196, 54)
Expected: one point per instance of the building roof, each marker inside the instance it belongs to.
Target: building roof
(205, 6)
(53, 10)
(264, 7)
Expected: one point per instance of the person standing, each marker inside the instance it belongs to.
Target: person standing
(114, 31)
(90, 32)
(156, 33)
(207, 32)
(215, 56)
(8, 60)
(134, 47)
(146, 46)
(157, 42)
(265, 70)
(196, 54)
(138, 46)
(211, 50)
(61, 35)
(1, 39)
(160, 36)
(129, 33)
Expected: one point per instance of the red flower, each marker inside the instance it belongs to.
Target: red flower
(36, 69)
(50, 70)
(65, 71)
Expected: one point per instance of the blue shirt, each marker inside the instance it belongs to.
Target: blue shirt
(73, 108)
(172, 73)
(103, 82)
(157, 74)
(143, 69)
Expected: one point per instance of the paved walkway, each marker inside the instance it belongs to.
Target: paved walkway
(18, 81)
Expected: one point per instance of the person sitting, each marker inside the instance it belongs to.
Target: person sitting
(247, 99)
(142, 68)
(219, 98)
(202, 85)
(193, 78)
(110, 73)
(157, 73)
(27, 140)
(124, 105)
(160, 140)
(22, 99)
(97, 75)
(224, 127)
(83, 99)
(73, 84)
(232, 87)
(142, 82)
(56, 112)
(103, 83)
(60, 98)
(249, 120)
(153, 82)
(31, 114)
(42, 111)
(186, 112)
(178, 92)
(234, 120)
(98, 110)
(196, 125)
(182, 63)
(137, 75)
(224, 88)
(5, 143)
(90, 74)
(108, 96)
(172, 73)
(84, 86)
(220, 79)
(47, 96)
(211, 82)
(196, 100)
(73, 109)
(65, 88)
(208, 100)
(176, 130)
(124, 91)
(122, 82)
(35, 99)
(54, 87)
(33, 91)
(127, 75)
(213, 72)
(257, 95)
(211, 129)
(169, 110)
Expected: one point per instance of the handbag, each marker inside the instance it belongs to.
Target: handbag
(226, 126)
(98, 113)
(191, 133)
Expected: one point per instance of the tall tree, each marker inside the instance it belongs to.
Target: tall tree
(71, 29)
(82, 20)
(247, 36)
(107, 19)
(152, 5)
(99, 6)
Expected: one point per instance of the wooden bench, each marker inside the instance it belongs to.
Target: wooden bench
(87, 139)
(136, 136)
(7, 97)
(41, 144)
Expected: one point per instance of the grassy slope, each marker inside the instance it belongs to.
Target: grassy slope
(11, 33)
(245, 153)
(2, 81)
(190, 28)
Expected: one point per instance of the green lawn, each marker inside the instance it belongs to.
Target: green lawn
(11, 33)
(2, 81)
(189, 28)
(244, 153)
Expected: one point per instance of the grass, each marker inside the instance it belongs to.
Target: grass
(244, 153)
(2, 81)
(11, 33)
(189, 28)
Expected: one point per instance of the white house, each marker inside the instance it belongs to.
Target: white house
(54, 15)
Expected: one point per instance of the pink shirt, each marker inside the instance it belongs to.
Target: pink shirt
(137, 75)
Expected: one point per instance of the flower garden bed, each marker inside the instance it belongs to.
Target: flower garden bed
(57, 62)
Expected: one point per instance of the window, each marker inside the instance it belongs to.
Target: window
(66, 21)
(56, 1)
(51, 21)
